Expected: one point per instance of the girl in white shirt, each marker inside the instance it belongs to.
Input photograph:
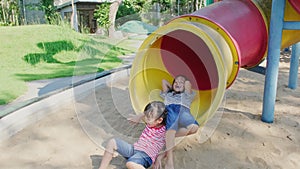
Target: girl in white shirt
(180, 122)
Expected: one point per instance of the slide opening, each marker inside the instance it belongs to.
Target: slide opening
(179, 49)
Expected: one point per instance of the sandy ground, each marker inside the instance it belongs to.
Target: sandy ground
(73, 135)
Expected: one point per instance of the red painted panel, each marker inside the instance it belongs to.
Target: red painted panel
(296, 5)
(184, 53)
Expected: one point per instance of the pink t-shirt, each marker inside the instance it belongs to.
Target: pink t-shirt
(151, 141)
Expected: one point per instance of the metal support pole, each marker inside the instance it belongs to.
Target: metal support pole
(276, 26)
(294, 64)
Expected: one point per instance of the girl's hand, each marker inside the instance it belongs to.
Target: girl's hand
(166, 86)
(135, 118)
(188, 86)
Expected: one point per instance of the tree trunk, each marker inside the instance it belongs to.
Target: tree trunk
(113, 9)
(3, 11)
(72, 15)
(74, 24)
(196, 5)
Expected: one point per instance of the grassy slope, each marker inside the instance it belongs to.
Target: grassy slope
(43, 51)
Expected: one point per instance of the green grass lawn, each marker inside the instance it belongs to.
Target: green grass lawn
(45, 51)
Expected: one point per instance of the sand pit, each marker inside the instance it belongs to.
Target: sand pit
(72, 136)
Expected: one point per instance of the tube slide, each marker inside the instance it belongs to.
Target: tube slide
(208, 46)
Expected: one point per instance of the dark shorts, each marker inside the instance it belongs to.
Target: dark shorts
(179, 117)
(126, 150)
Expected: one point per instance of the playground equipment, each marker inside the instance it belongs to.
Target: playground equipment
(208, 46)
(284, 20)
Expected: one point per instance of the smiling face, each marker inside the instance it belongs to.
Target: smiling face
(178, 84)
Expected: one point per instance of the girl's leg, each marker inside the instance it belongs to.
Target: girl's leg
(181, 132)
(170, 144)
(191, 129)
(132, 165)
(187, 123)
(110, 148)
(157, 163)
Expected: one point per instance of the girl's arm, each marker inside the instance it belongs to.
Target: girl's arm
(166, 86)
(188, 87)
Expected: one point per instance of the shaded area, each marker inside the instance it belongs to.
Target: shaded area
(90, 59)
(117, 161)
(50, 49)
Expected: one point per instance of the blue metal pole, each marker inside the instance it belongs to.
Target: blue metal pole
(276, 26)
(294, 64)
(291, 25)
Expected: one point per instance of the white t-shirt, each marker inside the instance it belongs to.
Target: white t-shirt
(184, 99)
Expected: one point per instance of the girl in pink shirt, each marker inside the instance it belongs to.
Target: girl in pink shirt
(141, 154)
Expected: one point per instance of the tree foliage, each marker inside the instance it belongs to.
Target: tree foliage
(51, 14)
(128, 8)
(12, 11)
(187, 6)
(9, 12)
(102, 15)
(144, 10)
